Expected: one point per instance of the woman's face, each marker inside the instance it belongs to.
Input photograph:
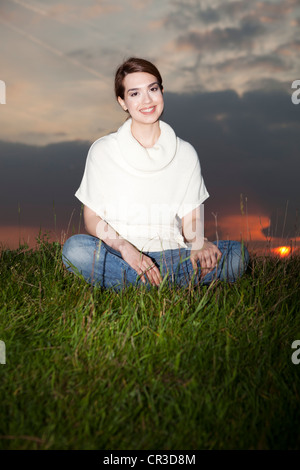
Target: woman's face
(143, 97)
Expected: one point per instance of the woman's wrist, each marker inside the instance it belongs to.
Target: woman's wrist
(198, 244)
(106, 233)
(122, 245)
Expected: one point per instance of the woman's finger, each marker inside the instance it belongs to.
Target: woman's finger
(148, 272)
(210, 258)
(140, 273)
(155, 279)
(202, 260)
(194, 264)
(213, 260)
(218, 254)
(152, 273)
(156, 275)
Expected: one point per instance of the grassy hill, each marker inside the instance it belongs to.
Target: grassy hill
(209, 368)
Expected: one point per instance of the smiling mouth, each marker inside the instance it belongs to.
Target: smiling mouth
(148, 110)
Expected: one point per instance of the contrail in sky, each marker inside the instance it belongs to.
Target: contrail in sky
(52, 49)
(45, 13)
(30, 7)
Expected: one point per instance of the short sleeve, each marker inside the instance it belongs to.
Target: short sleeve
(196, 192)
(90, 189)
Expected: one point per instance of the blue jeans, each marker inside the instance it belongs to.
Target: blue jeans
(99, 264)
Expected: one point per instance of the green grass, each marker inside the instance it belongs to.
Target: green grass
(208, 368)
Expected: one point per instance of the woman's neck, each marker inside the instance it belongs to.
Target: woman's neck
(146, 134)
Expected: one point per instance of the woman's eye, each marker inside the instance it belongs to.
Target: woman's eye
(154, 88)
(134, 94)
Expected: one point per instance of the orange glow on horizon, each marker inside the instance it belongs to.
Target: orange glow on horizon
(235, 226)
(282, 251)
(11, 237)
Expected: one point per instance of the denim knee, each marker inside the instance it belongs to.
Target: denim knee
(239, 260)
(67, 250)
(73, 251)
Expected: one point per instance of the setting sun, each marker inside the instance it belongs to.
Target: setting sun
(282, 251)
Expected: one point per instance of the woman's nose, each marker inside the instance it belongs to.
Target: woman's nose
(147, 98)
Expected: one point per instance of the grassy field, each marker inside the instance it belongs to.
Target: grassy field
(208, 368)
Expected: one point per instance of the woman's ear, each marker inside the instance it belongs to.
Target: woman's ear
(122, 103)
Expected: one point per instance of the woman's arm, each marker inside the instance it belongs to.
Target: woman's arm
(97, 227)
(193, 227)
(201, 249)
(141, 263)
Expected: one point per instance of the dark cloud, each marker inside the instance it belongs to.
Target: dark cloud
(36, 136)
(234, 9)
(223, 38)
(186, 12)
(41, 180)
(289, 48)
(267, 62)
(210, 15)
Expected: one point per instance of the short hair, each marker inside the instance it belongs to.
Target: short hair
(133, 65)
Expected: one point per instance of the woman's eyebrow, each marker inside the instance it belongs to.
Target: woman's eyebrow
(151, 84)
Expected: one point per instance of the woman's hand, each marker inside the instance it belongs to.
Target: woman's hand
(208, 255)
(141, 263)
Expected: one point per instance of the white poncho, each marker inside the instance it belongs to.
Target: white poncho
(143, 192)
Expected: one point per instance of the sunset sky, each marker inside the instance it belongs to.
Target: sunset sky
(227, 69)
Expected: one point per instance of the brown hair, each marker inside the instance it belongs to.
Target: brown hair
(133, 65)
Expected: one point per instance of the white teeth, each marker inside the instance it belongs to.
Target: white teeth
(147, 110)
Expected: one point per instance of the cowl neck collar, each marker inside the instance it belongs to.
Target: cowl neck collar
(147, 159)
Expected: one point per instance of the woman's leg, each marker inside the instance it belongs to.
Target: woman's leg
(100, 264)
(97, 262)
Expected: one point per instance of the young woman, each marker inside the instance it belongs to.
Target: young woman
(143, 195)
